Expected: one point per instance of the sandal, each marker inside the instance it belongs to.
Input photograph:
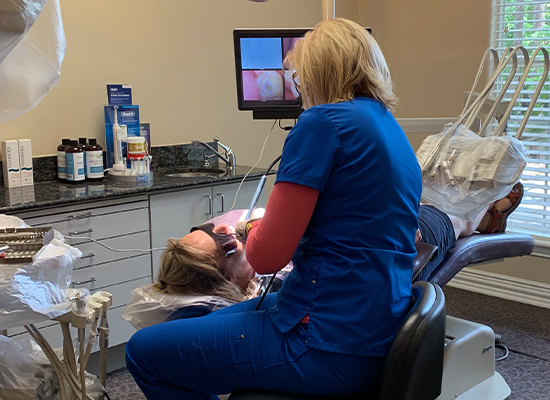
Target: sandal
(497, 221)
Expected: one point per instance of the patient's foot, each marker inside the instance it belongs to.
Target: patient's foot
(495, 219)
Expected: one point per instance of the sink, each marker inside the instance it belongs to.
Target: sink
(207, 173)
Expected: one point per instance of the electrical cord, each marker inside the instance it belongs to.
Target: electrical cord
(113, 249)
(254, 166)
(501, 346)
(286, 128)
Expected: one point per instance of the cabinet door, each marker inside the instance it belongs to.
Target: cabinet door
(224, 197)
(173, 214)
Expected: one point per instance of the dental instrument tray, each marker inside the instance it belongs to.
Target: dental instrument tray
(19, 245)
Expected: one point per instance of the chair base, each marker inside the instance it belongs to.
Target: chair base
(469, 363)
(493, 388)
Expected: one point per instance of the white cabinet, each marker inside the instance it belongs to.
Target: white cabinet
(136, 222)
(119, 224)
(173, 214)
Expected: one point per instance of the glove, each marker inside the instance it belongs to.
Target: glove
(242, 229)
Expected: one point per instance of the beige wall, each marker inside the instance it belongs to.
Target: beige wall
(433, 49)
(178, 57)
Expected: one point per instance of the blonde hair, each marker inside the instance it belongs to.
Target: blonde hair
(186, 270)
(338, 60)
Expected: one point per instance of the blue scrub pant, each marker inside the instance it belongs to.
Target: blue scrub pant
(238, 348)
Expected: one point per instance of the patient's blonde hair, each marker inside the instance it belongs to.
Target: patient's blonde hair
(338, 60)
(186, 270)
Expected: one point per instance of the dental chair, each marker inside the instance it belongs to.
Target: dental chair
(469, 362)
(480, 248)
(414, 366)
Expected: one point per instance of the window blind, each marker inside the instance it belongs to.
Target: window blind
(527, 23)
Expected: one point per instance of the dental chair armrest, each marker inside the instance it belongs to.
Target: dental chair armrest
(481, 248)
(424, 253)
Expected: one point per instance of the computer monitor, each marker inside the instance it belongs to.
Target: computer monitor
(264, 86)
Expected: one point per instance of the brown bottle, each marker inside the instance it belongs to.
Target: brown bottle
(93, 160)
(61, 169)
(74, 162)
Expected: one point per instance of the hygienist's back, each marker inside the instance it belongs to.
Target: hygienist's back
(353, 266)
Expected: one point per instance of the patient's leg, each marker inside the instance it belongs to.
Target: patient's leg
(465, 228)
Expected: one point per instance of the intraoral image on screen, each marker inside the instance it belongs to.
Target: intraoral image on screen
(263, 75)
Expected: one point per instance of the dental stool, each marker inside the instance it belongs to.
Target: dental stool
(414, 367)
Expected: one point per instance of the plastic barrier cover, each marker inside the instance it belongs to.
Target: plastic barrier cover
(468, 172)
(37, 291)
(31, 52)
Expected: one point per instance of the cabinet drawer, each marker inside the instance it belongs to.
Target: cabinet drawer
(105, 275)
(79, 211)
(101, 226)
(93, 253)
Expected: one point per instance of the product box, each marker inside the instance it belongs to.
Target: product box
(28, 194)
(128, 119)
(10, 163)
(25, 162)
(13, 196)
(119, 95)
(145, 131)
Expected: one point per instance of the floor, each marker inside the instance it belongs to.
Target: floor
(525, 330)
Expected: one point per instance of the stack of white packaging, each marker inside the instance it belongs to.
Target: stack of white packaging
(17, 163)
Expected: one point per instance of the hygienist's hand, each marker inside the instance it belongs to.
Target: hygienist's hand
(240, 231)
(418, 236)
(242, 228)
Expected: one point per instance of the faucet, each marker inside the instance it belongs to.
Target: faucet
(228, 158)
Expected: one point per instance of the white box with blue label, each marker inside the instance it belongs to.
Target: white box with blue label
(128, 119)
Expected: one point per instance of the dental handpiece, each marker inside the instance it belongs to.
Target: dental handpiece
(260, 188)
(256, 197)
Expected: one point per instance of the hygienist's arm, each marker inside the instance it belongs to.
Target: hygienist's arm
(271, 241)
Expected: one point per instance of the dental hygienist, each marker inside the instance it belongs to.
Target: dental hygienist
(344, 208)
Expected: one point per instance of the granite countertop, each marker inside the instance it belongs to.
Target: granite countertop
(54, 193)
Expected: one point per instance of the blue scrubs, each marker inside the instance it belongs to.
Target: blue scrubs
(352, 275)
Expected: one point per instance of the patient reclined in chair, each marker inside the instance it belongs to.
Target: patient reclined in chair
(148, 306)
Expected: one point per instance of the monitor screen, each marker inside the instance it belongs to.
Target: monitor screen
(263, 84)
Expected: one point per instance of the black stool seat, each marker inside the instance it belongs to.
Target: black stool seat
(414, 367)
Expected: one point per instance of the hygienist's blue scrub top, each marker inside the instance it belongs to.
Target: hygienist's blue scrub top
(353, 266)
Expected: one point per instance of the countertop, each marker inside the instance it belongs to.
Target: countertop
(55, 193)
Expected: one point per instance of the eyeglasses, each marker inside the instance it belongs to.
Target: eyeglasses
(227, 243)
(296, 84)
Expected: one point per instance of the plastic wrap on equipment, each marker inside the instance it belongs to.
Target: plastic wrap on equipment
(32, 48)
(37, 291)
(462, 173)
(148, 307)
(21, 377)
(26, 372)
